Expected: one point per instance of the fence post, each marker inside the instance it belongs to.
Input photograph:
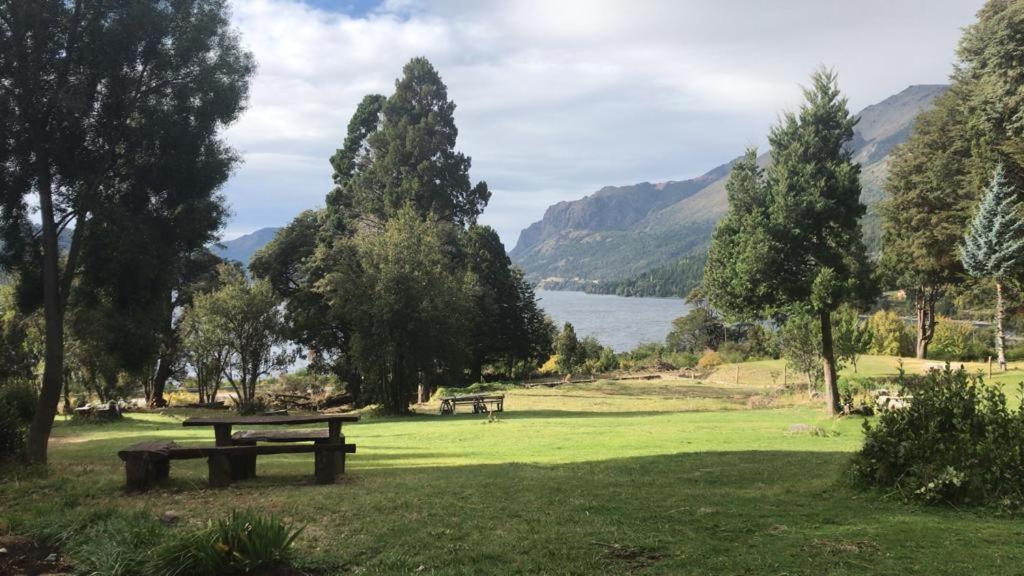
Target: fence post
(737, 374)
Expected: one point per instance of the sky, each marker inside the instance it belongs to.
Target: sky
(556, 99)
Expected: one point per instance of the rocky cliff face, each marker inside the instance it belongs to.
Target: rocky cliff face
(618, 232)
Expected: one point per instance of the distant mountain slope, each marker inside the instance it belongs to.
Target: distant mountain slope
(242, 248)
(619, 232)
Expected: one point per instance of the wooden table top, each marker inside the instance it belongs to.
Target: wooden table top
(269, 420)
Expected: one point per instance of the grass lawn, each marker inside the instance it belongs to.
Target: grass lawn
(659, 477)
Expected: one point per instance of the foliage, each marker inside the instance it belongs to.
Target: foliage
(242, 320)
(710, 359)
(675, 279)
(508, 326)
(111, 115)
(991, 92)
(605, 361)
(800, 343)
(409, 157)
(243, 543)
(17, 407)
(851, 337)
(994, 246)
(106, 541)
(407, 303)
(957, 443)
(926, 212)
(699, 330)
(569, 351)
(958, 341)
(348, 282)
(792, 235)
(889, 334)
(21, 338)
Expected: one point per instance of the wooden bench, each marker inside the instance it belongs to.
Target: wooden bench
(245, 466)
(147, 463)
(480, 403)
(233, 457)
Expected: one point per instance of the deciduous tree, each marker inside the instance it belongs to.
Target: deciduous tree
(110, 114)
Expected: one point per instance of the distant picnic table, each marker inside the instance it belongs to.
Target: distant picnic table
(233, 456)
(480, 403)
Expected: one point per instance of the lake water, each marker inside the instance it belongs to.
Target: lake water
(615, 321)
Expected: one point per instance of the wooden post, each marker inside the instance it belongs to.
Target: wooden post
(137, 473)
(737, 374)
(243, 467)
(220, 471)
(784, 375)
(989, 367)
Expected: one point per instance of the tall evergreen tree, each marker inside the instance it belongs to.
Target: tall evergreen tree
(991, 55)
(110, 114)
(791, 240)
(994, 245)
(411, 155)
(927, 210)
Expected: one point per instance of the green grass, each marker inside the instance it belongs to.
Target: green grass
(660, 477)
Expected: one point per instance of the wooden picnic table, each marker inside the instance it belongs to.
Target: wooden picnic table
(222, 425)
(329, 449)
(480, 403)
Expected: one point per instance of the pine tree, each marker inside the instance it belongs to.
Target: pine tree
(791, 240)
(994, 245)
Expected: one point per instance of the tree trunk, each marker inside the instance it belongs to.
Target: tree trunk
(1000, 334)
(163, 374)
(53, 313)
(829, 361)
(924, 303)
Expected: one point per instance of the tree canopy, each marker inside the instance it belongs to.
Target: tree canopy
(791, 239)
(111, 114)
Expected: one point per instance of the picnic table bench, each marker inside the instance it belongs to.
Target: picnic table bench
(233, 456)
(480, 403)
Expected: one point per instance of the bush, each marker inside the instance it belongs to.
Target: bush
(956, 443)
(959, 341)
(17, 407)
(710, 359)
(257, 405)
(733, 352)
(240, 544)
(890, 335)
(109, 542)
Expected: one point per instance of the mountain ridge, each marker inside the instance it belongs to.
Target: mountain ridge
(575, 252)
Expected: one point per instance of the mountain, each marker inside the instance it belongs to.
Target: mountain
(243, 247)
(619, 232)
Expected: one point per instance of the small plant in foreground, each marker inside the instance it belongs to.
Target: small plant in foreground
(956, 443)
(242, 543)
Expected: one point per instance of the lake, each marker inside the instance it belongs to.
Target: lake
(615, 321)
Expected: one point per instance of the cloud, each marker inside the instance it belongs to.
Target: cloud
(556, 99)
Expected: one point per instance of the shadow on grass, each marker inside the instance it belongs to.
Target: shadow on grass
(738, 512)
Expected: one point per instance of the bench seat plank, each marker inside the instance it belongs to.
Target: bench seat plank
(300, 435)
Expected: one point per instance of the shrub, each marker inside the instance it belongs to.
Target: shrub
(733, 352)
(240, 544)
(890, 335)
(955, 443)
(710, 359)
(256, 405)
(959, 341)
(17, 406)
